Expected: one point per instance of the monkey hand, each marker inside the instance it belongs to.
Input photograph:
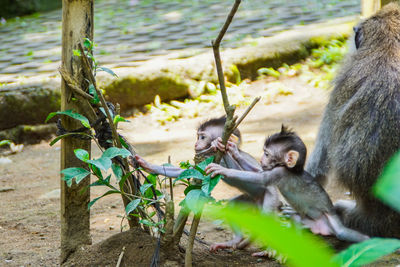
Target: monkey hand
(216, 169)
(232, 149)
(144, 164)
(217, 144)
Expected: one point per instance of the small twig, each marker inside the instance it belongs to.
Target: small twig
(249, 108)
(120, 257)
(102, 100)
(171, 189)
(229, 123)
(73, 84)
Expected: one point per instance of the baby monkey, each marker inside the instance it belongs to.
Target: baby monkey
(283, 166)
(208, 142)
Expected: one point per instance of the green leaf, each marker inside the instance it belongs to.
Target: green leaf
(108, 71)
(68, 134)
(144, 188)
(115, 151)
(88, 43)
(123, 179)
(190, 173)
(78, 173)
(301, 248)
(5, 142)
(192, 187)
(123, 142)
(195, 200)
(93, 92)
(209, 183)
(105, 194)
(117, 171)
(132, 206)
(147, 222)
(202, 165)
(96, 171)
(103, 163)
(388, 186)
(82, 154)
(367, 251)
(269, 71)
(152, 179)
(72, 114)
(76, 52)
(118, 118)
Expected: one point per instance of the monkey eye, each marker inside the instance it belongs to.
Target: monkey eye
(202, 137)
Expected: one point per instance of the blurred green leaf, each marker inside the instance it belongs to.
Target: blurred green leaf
(366, 252)
(195, 200)
(132, 206)
(55, 140)
(93, 92)
(191, 187)
(72, 114)
(103, 163)
(78, 173)
(301, 248)
(108, 71)
(118, 118)
(105, 194)
(117, 171)
(190, 173)
(115, 151)
(268, 71)
(209, 183)
(5, 142)
(202, 165)
(82, 154)
(144, 188)
(76, 52)
(388, 186)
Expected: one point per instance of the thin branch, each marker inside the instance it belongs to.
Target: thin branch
(120, 257)
(249, 108)
(73, 84)
(102, 100)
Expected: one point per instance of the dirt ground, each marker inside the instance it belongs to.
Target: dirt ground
(29, 186)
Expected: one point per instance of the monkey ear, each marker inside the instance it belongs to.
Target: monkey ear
(291, 158)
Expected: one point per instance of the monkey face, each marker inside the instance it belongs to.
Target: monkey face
(269, 158)
(204, 140)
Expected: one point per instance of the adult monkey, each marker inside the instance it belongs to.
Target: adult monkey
(360, 129)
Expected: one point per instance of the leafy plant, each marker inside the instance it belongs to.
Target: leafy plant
(301, 248)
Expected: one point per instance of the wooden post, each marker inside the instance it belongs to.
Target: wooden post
(369, 7)
(77, 24)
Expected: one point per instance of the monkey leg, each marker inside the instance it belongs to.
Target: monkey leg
(342, 232)
(234, 244)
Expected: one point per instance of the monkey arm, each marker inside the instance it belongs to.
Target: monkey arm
(243, 159)
(263, 178)
(170, 171)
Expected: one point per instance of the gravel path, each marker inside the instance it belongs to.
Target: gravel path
(132, 31)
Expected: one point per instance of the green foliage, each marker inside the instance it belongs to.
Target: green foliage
(78, 173)
(5, 142)
(367, 251)
(301, 248)
(387, 188)
(93, 92)
(72, 114)
(268, 71)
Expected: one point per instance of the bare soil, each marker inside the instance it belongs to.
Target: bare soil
(30, 203)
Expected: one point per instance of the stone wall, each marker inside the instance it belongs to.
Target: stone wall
(13, 8)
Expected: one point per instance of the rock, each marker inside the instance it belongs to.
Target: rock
(54, 194)
(27, 103)
(6, 189)
(5, 161)
(29, 134)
